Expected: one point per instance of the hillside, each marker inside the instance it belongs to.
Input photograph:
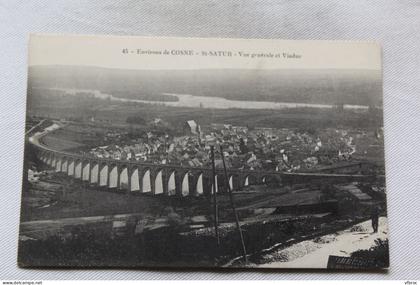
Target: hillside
(357, 87)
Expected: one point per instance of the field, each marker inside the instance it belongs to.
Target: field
(116, 113)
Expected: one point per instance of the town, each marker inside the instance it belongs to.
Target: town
(267, 149)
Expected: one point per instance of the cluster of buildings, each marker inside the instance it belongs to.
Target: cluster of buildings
(258, 148)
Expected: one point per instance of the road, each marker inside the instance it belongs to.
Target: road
(314, 253)
(34, 127)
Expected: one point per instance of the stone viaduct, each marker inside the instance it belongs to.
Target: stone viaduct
(128, 176)
(135, 176)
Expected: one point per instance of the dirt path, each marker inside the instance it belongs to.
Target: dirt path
(314, 253)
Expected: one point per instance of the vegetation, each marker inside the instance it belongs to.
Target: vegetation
(173, 245)
(138, 120)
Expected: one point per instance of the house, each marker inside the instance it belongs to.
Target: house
(191, 127)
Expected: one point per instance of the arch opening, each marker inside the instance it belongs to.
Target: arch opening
(78, 170)
(124, 179)
(200, 186)
(250, 180)
(58, 165)
(53, 161)
(216, 179)
(146, 186)
(185, 190)
(86, 172)
(70, 170)
(103, 176)
(171, 184)
(113, 177)
(94, 174)
(135, 184)
(159, 183)
(270, 180)
(64, 166)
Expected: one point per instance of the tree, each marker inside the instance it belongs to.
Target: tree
(242, 146)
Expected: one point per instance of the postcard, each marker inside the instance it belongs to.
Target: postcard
(203, 152)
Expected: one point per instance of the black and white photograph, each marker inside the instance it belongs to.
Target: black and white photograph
(145, 152)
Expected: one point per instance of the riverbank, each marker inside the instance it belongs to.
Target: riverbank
(195, 101)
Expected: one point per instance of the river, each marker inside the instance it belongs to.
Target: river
(193, 101)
